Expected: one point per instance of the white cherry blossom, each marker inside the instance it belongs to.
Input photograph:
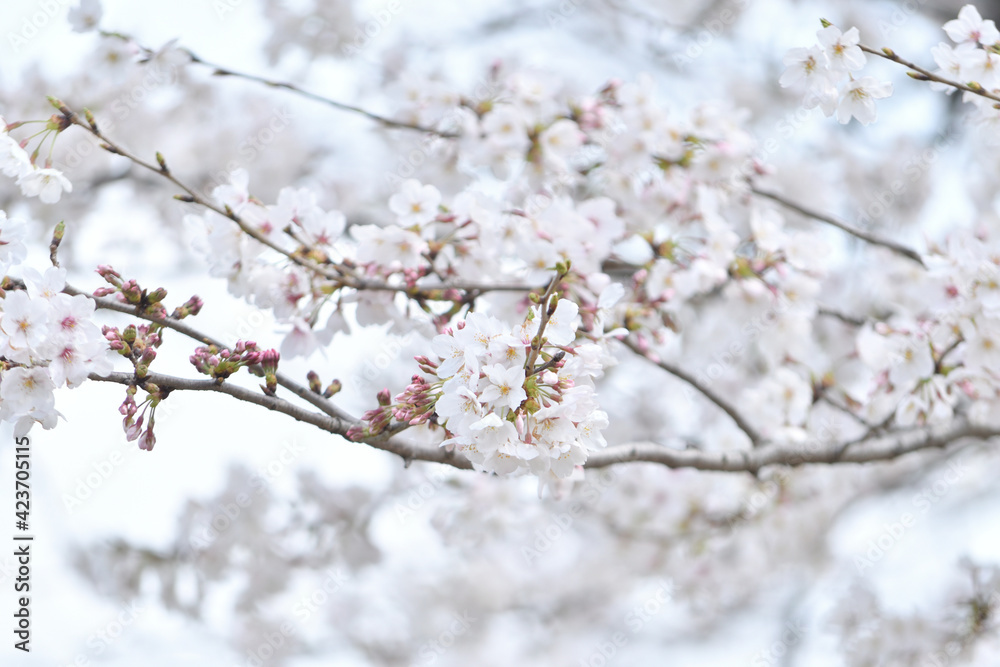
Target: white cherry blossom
(415, 204)
(46, 184)
(970, 27)
(841, 48)
(858, 98)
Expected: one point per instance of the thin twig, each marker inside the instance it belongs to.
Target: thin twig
(543, 301)
(843, 317)
(219, 70)
(883, 449)
(193, 197)
(388, 122)
(338, 274)
(822, 217)
(706, 391)
(407, 451)
(304, 393)
(925, 75)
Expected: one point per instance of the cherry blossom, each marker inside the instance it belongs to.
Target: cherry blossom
(86, 16)
(46, 184)
(970, 27)
(24, 324)
(504, 387)
(857, 99)
(841, 49)
(949, 60)
(584, 275)
(14, 160)
(415, 204)
(26, 398)
(12, 235)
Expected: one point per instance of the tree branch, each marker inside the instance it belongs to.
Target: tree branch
(339, 274)
(304, 393)
(218, 70)
(822, 217)
(750, 431)
(842, 316)
(393, 444)
(884, 448)
(925, 75)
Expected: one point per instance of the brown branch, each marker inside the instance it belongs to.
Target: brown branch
(543, 301)
(822, 217)
(925, 75)
(338, 274)
(751, 461)
(407, 451)
(218, 70)
(387, 122)
(755, 438)
(885, 448)
(882, 448)
(191, 196)
(839, 315)
(304, 393)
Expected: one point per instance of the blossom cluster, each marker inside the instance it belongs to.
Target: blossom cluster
(946, 359)
(511, 399)
(973, 61)
(134, 426)
(295, 223)
(827, 70)
(609, 178)
(48, 339)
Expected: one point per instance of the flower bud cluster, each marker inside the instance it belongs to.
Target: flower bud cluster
(219, 364)
(129, 408)
(129, 291)
(136, 343)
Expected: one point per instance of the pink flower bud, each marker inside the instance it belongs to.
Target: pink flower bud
(270, 361)
(107, 272)
(147, 440)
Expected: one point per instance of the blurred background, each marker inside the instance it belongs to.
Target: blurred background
(246, 538)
